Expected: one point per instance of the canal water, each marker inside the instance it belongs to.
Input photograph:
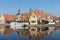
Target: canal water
(14, 36)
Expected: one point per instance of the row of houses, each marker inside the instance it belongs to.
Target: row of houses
(33, 17)
(41, 17)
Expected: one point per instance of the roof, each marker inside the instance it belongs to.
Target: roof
(56, 18)
(23, 16)
(41, 14)
(9, 17)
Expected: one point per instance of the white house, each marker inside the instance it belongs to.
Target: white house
(37, 16)
(2, 19)
(33, 19)
(6, 17)
(18, 17)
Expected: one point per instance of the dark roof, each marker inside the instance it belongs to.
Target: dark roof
(18, 14)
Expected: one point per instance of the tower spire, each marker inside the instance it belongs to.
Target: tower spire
(18, 13)
(19, 10)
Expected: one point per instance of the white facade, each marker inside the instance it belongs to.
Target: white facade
(50, 20)
(33, 19)
(57, 21)
(16, 25)
(18, 17)
(2, 19)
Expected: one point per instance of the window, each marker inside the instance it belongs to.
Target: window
(20, 21)
(38, 30)
(7, 22)
(33, 21)
(33, 29)
(45, 29)
(50, 21)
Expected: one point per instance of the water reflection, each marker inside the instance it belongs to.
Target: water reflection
(14, 36)
(54, 36)
(24, 37)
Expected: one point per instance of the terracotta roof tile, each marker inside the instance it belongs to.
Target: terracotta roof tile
(9, 17)
(23, 16)
(41, 14)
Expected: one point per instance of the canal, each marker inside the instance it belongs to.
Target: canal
(14, 36)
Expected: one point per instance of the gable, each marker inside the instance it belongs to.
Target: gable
(2, 17)
(33, 16)
(42, 15)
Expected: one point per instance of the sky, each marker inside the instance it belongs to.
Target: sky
(48, 6)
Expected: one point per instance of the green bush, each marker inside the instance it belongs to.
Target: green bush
(7, 26)
(27, 19)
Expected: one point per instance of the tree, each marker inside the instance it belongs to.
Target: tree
(7, 27)
(14, 21)
(27, 19)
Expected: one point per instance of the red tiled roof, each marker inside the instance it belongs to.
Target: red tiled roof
(38, 14)
(41, 14)
(55, 18)
(23, 16)
(9, 17)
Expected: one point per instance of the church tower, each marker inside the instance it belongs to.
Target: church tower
(18, 13)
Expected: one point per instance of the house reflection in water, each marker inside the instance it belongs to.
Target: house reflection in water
(33, 31)
(2, 29)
